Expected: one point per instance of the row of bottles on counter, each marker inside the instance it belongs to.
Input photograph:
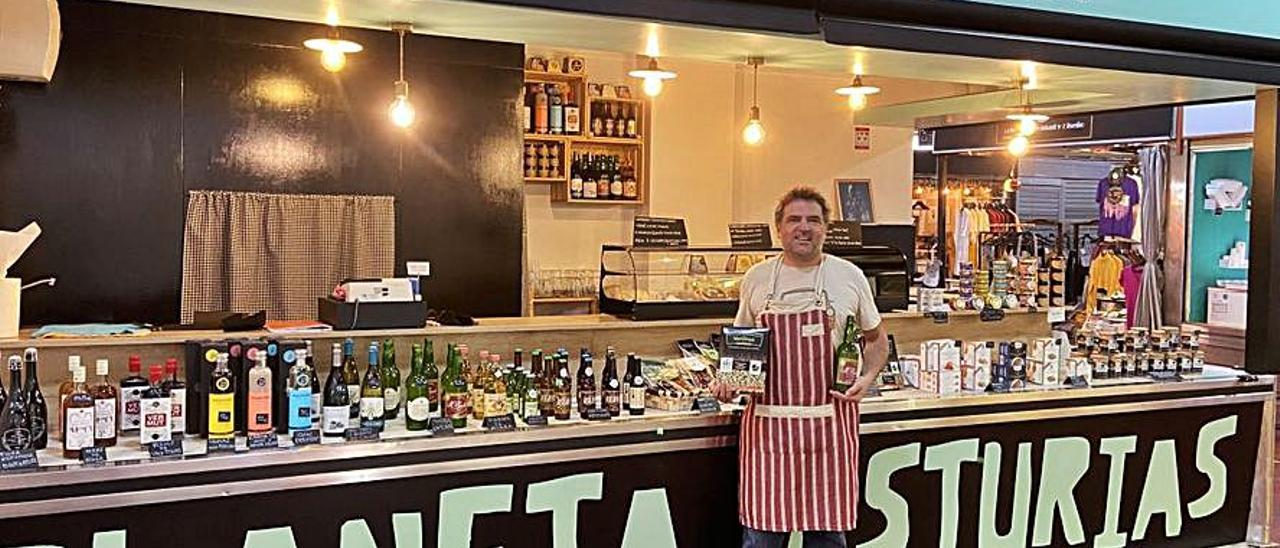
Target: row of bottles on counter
(25, 416)
(613, 119)
(602, 177)
(551, 109)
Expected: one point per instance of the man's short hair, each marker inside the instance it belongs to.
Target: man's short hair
(801, 192)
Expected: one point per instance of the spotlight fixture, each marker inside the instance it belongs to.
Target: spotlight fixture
(857, 92)
(1019, 145)
(333, 49)
(753, 133)
(401, 111)
(653, 77)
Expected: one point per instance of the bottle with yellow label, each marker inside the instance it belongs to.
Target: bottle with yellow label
(222, 400)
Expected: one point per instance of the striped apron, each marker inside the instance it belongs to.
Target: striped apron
(798, 448)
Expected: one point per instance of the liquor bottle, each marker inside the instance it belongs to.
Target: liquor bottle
(555, 109)
(478, 381)
(68, 384)
(589, 183)
(372, 408)
(630, 187)
(526, 105)
(15, 424)
(619, 120)
(417, 407)
(627, 374)
(77, 418)
(337, 400)
(572, 113)
(610, 125)
(540, 113)
(515, 383)
(260, 385)
(37, 409)
(575, 177)
(563, 389)
(531, 402)
(547, 387)
(604, 179)
(848, 358)
(615, 185)
(390, 380)
(637, 386)
(351, 375)
(222, 400)
(432, 374)
(454, 390)
(632, 124)
(317, 396)
(597, 119)
(610, 386)
(131, 388)
(300, 381)
(157, 408)
(177, 391)
(106, 405)
(588, 392)
(495, 390)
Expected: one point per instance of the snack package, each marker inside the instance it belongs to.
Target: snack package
(744, 358)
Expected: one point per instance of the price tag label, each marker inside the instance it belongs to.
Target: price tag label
(991, 314)
(93, 455)
(1077, 382)
(536, 420)
(999, 387)
(163, 449)
(1057, 314)
(598, 414)
(1165, 376)
(306, 437)
(15, 461)
(440, 426)
(706, 404)
(264, 441)
(363, 433)
(220, 445)
(941, 316)
(505, 423)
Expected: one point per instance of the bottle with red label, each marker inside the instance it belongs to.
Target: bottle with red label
(454, 390)
(131, 389)
(156, 409)
(177, 395)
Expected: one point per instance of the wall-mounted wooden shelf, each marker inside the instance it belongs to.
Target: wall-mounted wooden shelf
(545, 180)
(557, 77)
(611, 141)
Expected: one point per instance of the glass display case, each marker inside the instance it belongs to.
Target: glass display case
(703, 282)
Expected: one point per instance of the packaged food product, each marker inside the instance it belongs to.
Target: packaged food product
(744, 358)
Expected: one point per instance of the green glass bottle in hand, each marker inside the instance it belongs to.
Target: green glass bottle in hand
(848, 357)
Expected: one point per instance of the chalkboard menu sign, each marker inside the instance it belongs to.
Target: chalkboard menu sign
(750, 236)
(843, 235)
(659, 232)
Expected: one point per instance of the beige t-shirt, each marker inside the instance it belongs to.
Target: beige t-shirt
(848, 292)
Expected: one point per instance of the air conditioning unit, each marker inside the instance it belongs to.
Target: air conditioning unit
(30, 32)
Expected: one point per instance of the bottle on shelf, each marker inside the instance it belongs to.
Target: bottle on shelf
(530, 404)
(417, 406)
(222, 400)
(540, 113)
(432, 372)
(604, 179)
(515, 383)
(77, 417)
(157, 408)
(627, 375)
(848, 363)
(597, 119)
(637, 386)
(106, 404)
(610, 122)
(131, 388)
(547, 386)
(588, 392)
(630, 187)
(372, 407)
(526, 107)
(37, 409)
(610, 386)
(260, 388)
(336, 412)
(69, 383)
(177, 391)
(555, 110)
(317, 395)
(4, 395)
(633, 124)
(619, 120)
(575, 177)
(495, 391)
(588, 177)
(390, 380)
(615, 185)
(351, 376)
(15, 423)
(300, 380)
(563, 389)
(454, 389)
(572, 113)
(479, 381)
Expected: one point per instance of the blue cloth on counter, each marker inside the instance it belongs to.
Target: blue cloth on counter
(90, 330)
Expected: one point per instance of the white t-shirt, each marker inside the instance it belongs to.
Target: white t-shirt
(848, 292)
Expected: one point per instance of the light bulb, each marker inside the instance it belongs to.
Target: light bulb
(652, 86)
(1027, 126)
(1019, 145)
(753, 133)
(857, 101)
(401, 112)
(333, 60)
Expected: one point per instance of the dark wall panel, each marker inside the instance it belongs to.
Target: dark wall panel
(148, 103)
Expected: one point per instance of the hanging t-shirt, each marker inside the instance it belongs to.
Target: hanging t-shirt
(1131, 281)
(1116, 198)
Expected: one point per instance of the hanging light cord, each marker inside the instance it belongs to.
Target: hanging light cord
(401, 32)
(755, 83)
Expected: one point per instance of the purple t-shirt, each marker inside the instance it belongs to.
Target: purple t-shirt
(1116, 199)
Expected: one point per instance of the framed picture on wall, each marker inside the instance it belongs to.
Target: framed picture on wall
(854, 196)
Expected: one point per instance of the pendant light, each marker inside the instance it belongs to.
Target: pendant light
(333, 49)
(857, 92)
(1028, 121)
(653, 77)
(401, 111)
(753, 133)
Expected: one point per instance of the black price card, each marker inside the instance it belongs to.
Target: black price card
(750, 236)
(14, 461)
(1077, 382)
(93, 455)
(659, 232)
(161, 449)
(306, 437)
(843, 236)
(1000, 386)
(264, 441)
(598, 414)
(504, 423)
(941, 316)
(536, 420)
(988, 314)
(440, 426)
(1165, 376)
(220, 445)
(363, 433)
(706, 404)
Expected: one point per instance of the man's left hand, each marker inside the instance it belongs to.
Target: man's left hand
(856, 392)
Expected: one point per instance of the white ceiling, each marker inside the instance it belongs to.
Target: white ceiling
(1062, 89)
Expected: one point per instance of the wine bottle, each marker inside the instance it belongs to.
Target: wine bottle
(515, 383)
(37, 409)
(603, 179)
(351, 374)
(563, 389)
(417, 406)
(260, 395)
(390, 380)
(177, 391)
(479, 380)
(222, 400)
(337, 400)
(615, 184)
(588, 392)
(572, 113)
(637, 386)
(157, 409)
(610, 386)
(455, 392)
(317, 396)
(106, 403)
(632, 125)
(372, 408)
(300, 381)
(495, 392)
(590, 186)
(526, 106)
(547, 387)
(15, 424)
(77, 417)
(131, 388)
(848, 359)
(432, 373)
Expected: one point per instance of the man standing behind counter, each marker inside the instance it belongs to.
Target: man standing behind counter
(798, 454)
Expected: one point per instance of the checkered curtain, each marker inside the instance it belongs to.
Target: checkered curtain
(250, 251)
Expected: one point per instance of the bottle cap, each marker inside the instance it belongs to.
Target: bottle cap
(171, 365)
(103, 366)
(157, 372)
(135, 364)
